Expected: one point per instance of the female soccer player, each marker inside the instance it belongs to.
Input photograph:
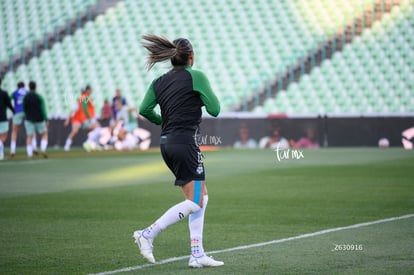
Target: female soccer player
(83, 117)
(181, 92)
(35, 119)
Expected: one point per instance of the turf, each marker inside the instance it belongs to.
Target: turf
(74, 214)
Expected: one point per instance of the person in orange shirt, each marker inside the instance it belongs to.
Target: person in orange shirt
(83, 117)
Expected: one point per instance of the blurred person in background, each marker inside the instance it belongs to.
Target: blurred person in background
(407, 137)
(82, 117)
(127, 131)
(36, 119)
(275, 140)
(244, 142)
(126, 116)
(118, 97)
(106, 113)
(18, 118)
(123, 134)
(5, 103)
(307, 141)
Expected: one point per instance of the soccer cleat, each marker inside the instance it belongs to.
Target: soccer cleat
(204, 261)
(66, 148)
(44, 155)
(35, 152)
(12, 155)
(145, 246)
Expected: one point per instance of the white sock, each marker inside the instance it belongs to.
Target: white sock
(68, 143)
(196, 225)
(173, 215)
(94, 135)
(43, 145)
(12, 147)
(1, 150)
(29, 150)
(34, 143)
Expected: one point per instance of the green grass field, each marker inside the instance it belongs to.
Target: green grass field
(75, 214)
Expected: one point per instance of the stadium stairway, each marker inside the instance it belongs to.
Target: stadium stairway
(34, 48)
(314, 58)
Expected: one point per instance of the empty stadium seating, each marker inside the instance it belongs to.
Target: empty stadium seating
(241, 45)
(374, 74)
(25, 21)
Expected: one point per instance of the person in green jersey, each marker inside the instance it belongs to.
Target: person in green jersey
(36, 119)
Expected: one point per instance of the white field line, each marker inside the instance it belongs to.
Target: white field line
(244, 247)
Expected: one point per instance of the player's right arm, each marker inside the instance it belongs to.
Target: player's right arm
(147, 106)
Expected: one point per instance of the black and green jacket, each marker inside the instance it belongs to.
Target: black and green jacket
(180, 93)
(34, 107)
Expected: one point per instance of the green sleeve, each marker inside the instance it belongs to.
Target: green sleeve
(85, 107)
(202, 86)
(148, 104)
(43, 108)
